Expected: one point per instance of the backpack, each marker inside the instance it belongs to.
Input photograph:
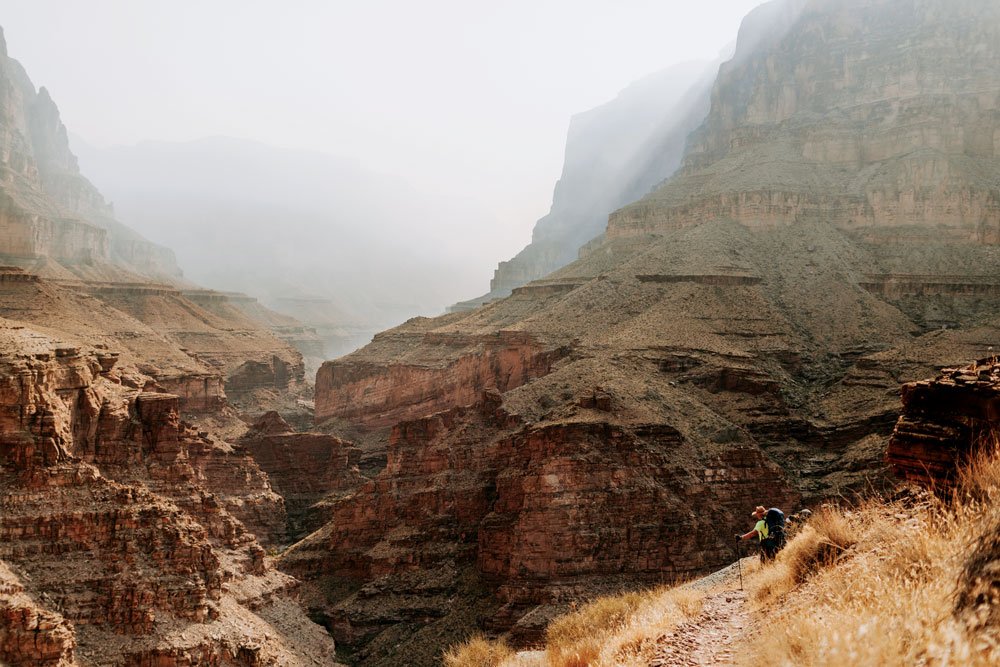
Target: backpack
(775, 522)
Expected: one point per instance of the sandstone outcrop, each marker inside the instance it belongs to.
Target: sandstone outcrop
(945, 423)
(200, 355)
(29, 633)
(373, 395)
(304, 468)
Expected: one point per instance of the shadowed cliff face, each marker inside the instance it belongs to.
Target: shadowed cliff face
(740, 334)
(614, 154)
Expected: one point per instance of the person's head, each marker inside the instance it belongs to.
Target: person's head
(759, 512)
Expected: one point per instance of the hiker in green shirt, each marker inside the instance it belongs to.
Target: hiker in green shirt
(769, 545)
(760, 529)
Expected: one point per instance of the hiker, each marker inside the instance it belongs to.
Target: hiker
(769, 531)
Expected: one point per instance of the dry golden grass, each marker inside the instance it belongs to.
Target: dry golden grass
(619, 631)
(890, 598)
(478, 652)
(885, 584)
(818, 544)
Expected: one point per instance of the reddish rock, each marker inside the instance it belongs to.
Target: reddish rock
(373, 395)
(126, 520)
(545, 512)
(945, 422)
(304, 468)
(29, 633)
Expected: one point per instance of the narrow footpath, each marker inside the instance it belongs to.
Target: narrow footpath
(713, 637)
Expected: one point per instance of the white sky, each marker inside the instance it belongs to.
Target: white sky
(465, 99)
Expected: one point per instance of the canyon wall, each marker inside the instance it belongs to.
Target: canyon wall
(139, 535)
(48, 210)
(374, 395)
(828, 124)
(614, 154)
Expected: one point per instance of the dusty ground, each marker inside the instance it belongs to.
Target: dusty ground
(712, 638)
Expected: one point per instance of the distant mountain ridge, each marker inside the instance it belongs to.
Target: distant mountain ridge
(615, 153)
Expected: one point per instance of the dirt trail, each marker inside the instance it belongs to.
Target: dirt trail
(713, 637)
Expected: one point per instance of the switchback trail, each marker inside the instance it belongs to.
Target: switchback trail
(713, 637)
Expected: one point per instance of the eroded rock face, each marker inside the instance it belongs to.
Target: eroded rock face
(544, 514)
(945, 422)
(863, 115)
(127, 522)
(29, 633)
(305, 468)
(376, 395)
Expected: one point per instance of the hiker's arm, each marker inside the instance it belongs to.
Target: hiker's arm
(750, 535)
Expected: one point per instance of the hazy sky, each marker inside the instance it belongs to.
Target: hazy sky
(463, 98)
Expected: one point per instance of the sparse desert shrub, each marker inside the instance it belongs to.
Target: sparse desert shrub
(824, 539)
(478, 652)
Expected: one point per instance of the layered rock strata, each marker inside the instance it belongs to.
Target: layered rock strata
(308, 470)
(131, 526)
(200, 355)
(51, 217)
(373, 395)
(945, 423)
(865, 115)
(29, 633)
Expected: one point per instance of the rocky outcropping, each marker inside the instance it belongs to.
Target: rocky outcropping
(304, 468)
(29, 633)
(125, 521)
(374, 395)
(945, 423)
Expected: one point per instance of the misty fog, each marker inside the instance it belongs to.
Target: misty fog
(380, 158)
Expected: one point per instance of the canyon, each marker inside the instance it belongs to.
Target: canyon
(175, 492)
(739, 333)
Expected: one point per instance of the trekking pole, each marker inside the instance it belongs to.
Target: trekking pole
(739, 564)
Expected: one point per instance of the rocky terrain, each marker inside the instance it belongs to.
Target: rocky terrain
(741, 332)
(128, 537)
(946, 423)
